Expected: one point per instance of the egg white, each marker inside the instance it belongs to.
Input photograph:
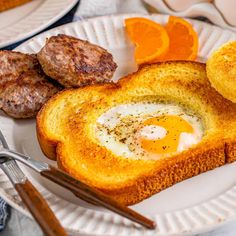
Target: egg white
(109, 127)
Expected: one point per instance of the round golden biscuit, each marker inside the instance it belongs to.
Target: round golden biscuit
(221, 70)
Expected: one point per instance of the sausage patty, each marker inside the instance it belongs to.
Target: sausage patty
(74, 62)
(24, 88)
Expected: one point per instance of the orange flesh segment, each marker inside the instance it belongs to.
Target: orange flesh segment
(183, 40)
(150, 38)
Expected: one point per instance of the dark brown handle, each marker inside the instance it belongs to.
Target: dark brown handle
(40, 209)
(93, 195)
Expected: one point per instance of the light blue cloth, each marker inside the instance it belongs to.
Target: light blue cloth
(77, 18)
(4, 213)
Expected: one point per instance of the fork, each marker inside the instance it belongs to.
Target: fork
(77, 187)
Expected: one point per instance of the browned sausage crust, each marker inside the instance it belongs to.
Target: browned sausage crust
(24, 87)
(74, 62)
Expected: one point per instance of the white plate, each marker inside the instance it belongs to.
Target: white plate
(24, 21)
(196, 205)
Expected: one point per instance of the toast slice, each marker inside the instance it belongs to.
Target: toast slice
(6, 4)
(65, 129)
(223, 61)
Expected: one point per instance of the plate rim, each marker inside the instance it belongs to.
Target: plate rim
(69, 4)
(194, 231)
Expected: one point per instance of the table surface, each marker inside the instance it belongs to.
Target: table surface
(19, 225)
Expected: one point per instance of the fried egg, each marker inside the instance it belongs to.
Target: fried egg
(148, 130)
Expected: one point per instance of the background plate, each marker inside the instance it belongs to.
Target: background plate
(26, 20)
(196, 205)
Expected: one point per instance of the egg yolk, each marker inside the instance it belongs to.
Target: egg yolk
(173, 125)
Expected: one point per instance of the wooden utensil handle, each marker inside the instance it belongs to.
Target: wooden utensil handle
(39, 209)
(93, 195)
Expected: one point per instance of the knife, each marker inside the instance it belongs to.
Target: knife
(30, 196)
(79, 188)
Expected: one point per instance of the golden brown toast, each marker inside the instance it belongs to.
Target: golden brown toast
(7, 4)
(221, 70)
(65, 129)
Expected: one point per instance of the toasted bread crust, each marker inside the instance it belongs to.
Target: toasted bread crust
(166, 175)
(72, 141)
(221, 70)
(230, 151)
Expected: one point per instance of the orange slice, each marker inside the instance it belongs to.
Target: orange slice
(150, 38)
(183, 40)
